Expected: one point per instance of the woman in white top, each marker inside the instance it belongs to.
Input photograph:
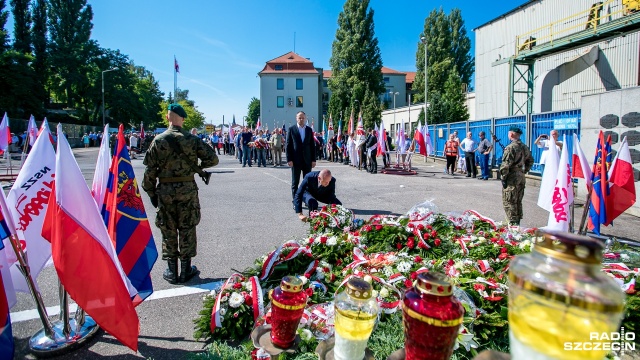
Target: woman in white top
(543, 142)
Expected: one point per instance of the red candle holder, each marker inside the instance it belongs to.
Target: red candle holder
(432, 318)
(287, 305)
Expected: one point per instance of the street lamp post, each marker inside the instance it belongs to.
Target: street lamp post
(103, 107)
(423, 39)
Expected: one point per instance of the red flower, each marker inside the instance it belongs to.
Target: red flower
(503, 256)
(408, 283)
(437, 242)
(418, 259)
(378, 227)
(332, 278)
(410, 225)
(309, 292)
(479, 287)
(422, 245)
(411, 242)
(503, 250)
(325, 269)
(338, 262)
(333, 206)
(367, 228)
(494, 239)
(323, 239)
(311, 240)
(356, 233)
(450, 262)
(434, 233)
(493, 298)
(420, 227)
(399, 246)
(414, 275)
(501, 242)
(315, 227)
(324, 208)
(237, 286)
(248, 300)
(235, 315)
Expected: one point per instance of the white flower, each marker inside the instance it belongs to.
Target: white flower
(224, 298)
(524, 244)
(374, 293)
(324, 264)
(306, 334)
(458, 264)
(404, 266)
(482, 239)
(368, 278)
(384, 292)
(247, 285)
(319, 274)
(303, 279)
(236, 300)
(466, 339)
(212, 293)
(222, 311)
(624, 257)
(473, 237)
(332, 241)
(388, 271)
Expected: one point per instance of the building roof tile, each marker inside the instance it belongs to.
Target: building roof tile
(292, 63)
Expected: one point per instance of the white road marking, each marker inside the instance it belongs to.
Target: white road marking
(32, 314)
(277, 178)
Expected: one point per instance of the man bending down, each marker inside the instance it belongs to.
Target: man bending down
(316, 186)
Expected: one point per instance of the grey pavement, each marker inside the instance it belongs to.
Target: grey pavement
(246, 212)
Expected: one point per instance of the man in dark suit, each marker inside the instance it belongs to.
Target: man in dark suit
(371, 142)
(316, 186)
(301, 150)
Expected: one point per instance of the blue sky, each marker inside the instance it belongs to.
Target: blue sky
(222, 45)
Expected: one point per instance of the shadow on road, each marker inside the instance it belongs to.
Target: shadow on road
(373, 212)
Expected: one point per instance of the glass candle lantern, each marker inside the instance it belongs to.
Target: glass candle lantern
(432, 317)
(558, 295)
(355, 316)
(287, 305)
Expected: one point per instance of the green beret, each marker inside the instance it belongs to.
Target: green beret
(177, 108)
(516, 130)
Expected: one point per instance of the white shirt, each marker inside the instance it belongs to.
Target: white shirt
(301, 131)
(133, 141)
(544, 144)
(468, 145)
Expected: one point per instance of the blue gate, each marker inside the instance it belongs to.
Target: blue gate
(502, 126)
(565, 122)
(440, 138)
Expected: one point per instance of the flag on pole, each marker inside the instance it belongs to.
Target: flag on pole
(101, 174)
(6, 335)
(175, 65)
(127, 221)
(258, 124)
(325, 133)
(382, 140)
(622, 191)
(419, 138)
(400, 140)
(142, 134)
(330, 132)
(562, 194)
(548, 183)
(580, 165)
(375, 130)
(6, 230)
(83, 254)
(5, 133)
(231, 135)
(340, 130)
(351, 123)
(32, 130)
(600, 192)
(27, 201)
(427, 139)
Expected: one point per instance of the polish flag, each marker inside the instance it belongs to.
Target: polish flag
(101, 174)
(83, 254)
(622, 191)
(562, 194)
(27, 201)
(142, 134)
(350, 127)
(5, 133)
(382, 140)
(32, 130)
(549, 178)
(419, 138)
(427, 139)
(258, 124)
(581, 168)
(45, 125)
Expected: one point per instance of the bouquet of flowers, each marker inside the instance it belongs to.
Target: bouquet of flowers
(330, 218)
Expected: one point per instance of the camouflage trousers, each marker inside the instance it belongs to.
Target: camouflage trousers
(177, 217)
(512, 197)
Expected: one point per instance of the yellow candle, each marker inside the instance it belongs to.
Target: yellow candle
(352, 333)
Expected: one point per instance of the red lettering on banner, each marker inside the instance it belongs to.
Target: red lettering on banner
(559, 203)
(34, 206)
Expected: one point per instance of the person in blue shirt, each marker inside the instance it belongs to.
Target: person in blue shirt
(316, 186)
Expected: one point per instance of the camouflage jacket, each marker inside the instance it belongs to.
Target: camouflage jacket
(163, 162)
(516, 158)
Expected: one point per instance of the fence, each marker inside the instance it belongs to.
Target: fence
(73, 132)
(565, 122)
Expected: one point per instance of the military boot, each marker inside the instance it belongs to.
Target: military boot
(187, 271)
(171, 273)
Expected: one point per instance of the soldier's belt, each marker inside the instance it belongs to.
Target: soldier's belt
(176, 179)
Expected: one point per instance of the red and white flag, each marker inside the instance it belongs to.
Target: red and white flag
(5, 133)
(427, 139)
(142, 134)
(562, 194)
(45, 125)
(83, 253)
(419, 138)
(258, 124)
(622, 191)
(101, 174)
(176, 67)
(5, 249)
(350, 127)
(400, 140)
(27, 201)
(32, 130)
(549, 177)
(581, 168)
(382, 140)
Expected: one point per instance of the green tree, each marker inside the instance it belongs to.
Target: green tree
(371, 110)
(21, 26)
(253, 112)
(149, 97)
(448, 50)
(4, 35)
(195, 119)
(71, 48)
(356, 62)
(39, 41)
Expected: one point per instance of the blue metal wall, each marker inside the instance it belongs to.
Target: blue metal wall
(439, 141)
(501, 130)
(565, 122)
(475, 127)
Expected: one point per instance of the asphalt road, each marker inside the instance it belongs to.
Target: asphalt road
(246, 212)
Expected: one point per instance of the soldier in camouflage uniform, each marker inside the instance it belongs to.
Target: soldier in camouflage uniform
(516, 162)
(172, 161)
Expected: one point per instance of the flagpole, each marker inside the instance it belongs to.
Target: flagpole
(582, 229)
(175, 80)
